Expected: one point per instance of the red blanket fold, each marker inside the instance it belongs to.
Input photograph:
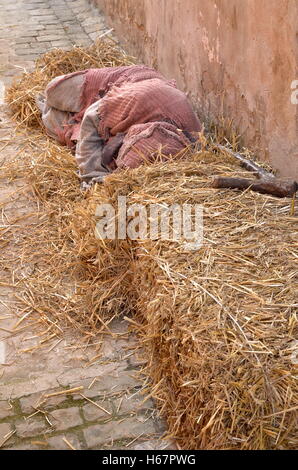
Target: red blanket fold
(145, 101)
(97, 82)
(144, 141)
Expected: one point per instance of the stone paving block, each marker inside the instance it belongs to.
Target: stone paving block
(65, 418)
(79, 2)
(35, 27)
(29, 39)
(30, 403)
(90, 21)
(28, 34)
(23, 62)
(41, 47)
(129, 428)
(95, 29)
(79, 10)
(78, 36)
(40, 12)
(30, 6)
(99, 370)
(46, 21)
(20, 48)
(52, 402)
(135, 404)
(5, 428)
(32, 426)
(39, 51)
(51, 37)
(9, 7)
(73, 22)
(36, 6)
(41, 383)
(82, 16)
(61, 43)
(92, 412)
(94, 36)
(64, 48)
(53, 27)
(24, 50)
(82, 42)
(57, 442)
(24, 446)
(64, 13)
(44, 18)
(74, 29)
(155, 445)
(4, 60)
(26, 61)
(5, 409)
(63, 6)
(109, 385)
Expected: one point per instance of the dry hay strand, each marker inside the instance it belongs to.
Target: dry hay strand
(21, 95)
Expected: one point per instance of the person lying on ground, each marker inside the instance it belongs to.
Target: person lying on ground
(116, 117)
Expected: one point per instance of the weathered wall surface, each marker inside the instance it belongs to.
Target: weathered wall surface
(236, 57)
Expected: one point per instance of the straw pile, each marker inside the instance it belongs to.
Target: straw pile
(21, 95)
(218, 324)
(66, 281)
(50, 169)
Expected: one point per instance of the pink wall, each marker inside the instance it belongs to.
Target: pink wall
(238, 57)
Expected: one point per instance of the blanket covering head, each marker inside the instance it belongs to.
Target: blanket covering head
(144, 141)
(153, 114)
(136, 100)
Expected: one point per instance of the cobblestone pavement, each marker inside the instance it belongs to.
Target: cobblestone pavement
(106, 409)
(31, 27)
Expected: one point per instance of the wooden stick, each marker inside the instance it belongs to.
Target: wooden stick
(247, 164)
(274, 186)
